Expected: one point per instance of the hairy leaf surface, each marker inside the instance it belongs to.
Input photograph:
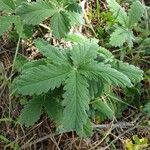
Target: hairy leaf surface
(76, 101)
(32, 111)
(7, 6)
(135, 13)
(133, 73)
(104, 108)
(36, 12)
(107, 74)
(6, 23)
(41, 79)
(51, 52)
(118, 12)
(120, 36)
(60, 24)
(84, 52)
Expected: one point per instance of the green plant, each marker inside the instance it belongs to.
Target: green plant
(67, 84)
(63, 15)
(147, 109)
(125, 22)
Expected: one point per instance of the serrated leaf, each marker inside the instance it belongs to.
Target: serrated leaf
(104, 55)
(51, 52)
(20, 61)
(33, 63)
(135, 13)
(6, 23)
(41, 79)
(84, 52)
(103, 108)
(76, 101)
(32, 111)
(118, 12)
(132, 72)
(53, 108)
(36, 12)
(121, 36)
(19, 2)
(75, 18)
(7, 6)
(75, 14)
(106, 74)
(95, 88)
(60, 24)
(87, 129)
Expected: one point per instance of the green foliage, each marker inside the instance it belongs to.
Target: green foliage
(120, 36)
(34, 13)
(135, 13)
(31, 114)
(123, 33)
(119, 13)
(147, 109)
(103, 108)
(82, 75)
(63, 15)
(6, 23)
(51, 105)
(7, 6)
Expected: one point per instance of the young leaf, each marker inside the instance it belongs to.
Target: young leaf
(60, 24)
(132, 72)
(120, 36)
(84, 52)
(41, 79)
(32, 111)
(7, 6)
(118, 12)
(76, 102)
(135, 13)
(36, 12)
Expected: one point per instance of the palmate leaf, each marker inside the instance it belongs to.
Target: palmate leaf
(118, 12)
(135, 13)
(36, 12)
(120, 36)
(132, 72)
(76, 102)
(7, 6)
(51, 52)
(41, 79)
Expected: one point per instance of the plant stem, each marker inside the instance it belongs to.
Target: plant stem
(11, 74)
